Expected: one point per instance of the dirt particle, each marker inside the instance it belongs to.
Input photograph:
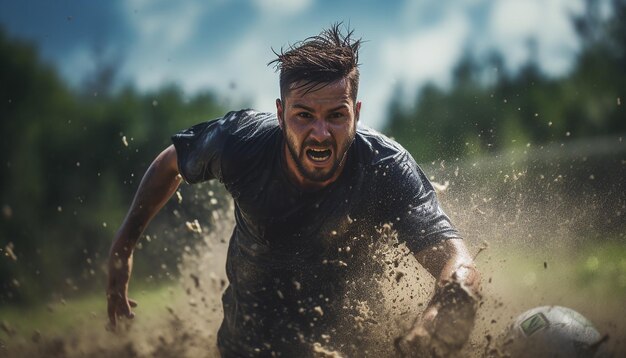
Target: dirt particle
(194, 226)
(10, 331)
(8, 251)
(196, 280)
(318, 310)
(36, 337)
(320, 352)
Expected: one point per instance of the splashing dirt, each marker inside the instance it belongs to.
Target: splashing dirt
(537, 223)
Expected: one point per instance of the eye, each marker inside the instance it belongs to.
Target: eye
(337, 116)
(305, 115)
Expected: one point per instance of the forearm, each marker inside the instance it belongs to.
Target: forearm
(451, 261)
(157, 186)
(449, 318)
(456, 290)
(459, 268)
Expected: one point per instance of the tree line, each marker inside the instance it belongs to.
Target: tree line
(486, 109)
(70, 161)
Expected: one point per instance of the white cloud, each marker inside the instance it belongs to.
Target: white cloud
(236, 71)
(78, 61)
(421, 49)
(162, 24)
(282, 7)
(240, 70)
(164, 31)
(424, 55)
(513, 23)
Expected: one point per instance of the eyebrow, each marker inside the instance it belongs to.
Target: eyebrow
(307, 108)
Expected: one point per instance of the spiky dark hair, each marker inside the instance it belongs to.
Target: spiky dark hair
(319, 60)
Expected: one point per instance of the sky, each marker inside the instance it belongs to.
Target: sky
(225, 45)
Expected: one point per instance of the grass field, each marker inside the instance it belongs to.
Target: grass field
(553, 234)
(69, 327)
(514, 280)
(589, 279)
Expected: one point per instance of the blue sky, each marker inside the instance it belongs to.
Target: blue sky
(225, 44)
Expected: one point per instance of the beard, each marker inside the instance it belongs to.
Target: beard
(318, 174)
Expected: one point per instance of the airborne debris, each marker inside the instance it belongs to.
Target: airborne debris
(440, 188)
(194, 226)
(10, 331)
(124, 141)
(321, 352)
(196, 280)
(7, 212)
(36, 337)
(318, 310)
(9, 251)
(483, 247)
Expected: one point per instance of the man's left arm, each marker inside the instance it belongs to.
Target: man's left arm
(446, 324)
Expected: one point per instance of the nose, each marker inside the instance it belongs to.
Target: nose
(320, 131)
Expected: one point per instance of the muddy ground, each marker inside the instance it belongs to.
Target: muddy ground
(532, 224)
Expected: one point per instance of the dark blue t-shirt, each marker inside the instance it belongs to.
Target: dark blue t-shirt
(288, 263)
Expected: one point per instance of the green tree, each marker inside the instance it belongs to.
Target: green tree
(71, 161)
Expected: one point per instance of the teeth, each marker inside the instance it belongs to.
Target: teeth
(318, 154)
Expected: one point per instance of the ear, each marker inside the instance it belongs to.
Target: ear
(280, 113)
(357, 111)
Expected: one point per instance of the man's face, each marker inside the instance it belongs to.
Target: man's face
(319, 127)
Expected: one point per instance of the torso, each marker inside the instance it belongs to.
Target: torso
(295, 257)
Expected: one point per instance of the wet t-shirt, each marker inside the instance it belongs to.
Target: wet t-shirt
(294, 254)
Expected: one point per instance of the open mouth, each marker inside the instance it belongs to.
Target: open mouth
(318, 155)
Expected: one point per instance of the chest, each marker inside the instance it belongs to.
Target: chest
(274, 214)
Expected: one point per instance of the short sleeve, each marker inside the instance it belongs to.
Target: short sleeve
(199, 150)
(419, 218)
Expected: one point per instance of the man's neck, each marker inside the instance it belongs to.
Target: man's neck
(300, 181)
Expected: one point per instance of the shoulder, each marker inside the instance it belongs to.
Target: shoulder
(249, 133)
(247, 124)
(375, 149)
(250, 143)
(388, 163)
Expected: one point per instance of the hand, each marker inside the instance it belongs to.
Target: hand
(415, 342)
(444, 327)
(119, 305)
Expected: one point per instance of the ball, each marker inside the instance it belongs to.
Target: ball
(552, 331)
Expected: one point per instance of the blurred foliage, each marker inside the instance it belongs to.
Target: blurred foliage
(606, 263)
(487, 110)
(71, 161)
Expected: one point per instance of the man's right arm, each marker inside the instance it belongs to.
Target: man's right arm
(157, 185)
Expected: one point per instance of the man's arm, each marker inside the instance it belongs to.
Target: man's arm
(449, 318)
(157, 186)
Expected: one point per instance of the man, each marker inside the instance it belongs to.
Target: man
(312, 190)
